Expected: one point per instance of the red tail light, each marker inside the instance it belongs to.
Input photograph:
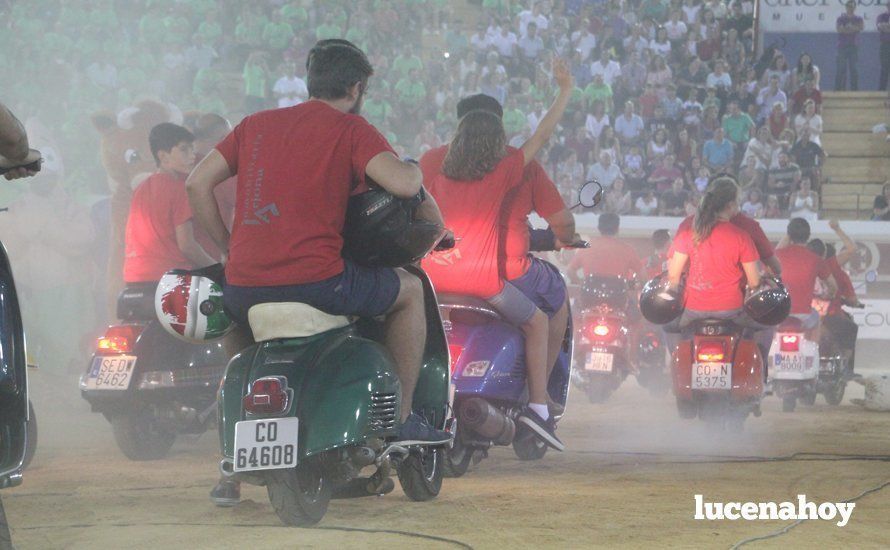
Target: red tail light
(454, 350)
(710, 352)
(268, 395)
(600, 330)
(789, 342)
(119, 339)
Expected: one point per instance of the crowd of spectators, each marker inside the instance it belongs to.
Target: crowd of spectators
(668, 92)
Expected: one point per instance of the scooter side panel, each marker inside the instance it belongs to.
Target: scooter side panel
(431, 394)
(747, 371)
(13, 379)
(499, 345)
(681, 370)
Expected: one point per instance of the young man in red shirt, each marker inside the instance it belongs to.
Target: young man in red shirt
(537, 193)
(607, 254)
(160, 235)
(802, 267)
(296, 169)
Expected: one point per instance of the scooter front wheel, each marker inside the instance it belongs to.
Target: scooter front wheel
(421, 473)
(300, 495)
(835, 394)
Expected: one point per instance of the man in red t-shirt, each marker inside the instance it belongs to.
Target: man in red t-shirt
(296, 169)
(537, 193)
(802, 267)
(607, 254)
(159, 235)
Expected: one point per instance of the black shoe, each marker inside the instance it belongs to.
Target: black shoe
(544, 429)
(417, 431)
(226, 493)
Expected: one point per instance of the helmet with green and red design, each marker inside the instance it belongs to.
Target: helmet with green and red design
(190, 307)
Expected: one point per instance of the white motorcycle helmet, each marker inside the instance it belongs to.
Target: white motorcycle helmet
(190, 307)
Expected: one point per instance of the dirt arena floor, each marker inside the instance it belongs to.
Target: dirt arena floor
(627, 479)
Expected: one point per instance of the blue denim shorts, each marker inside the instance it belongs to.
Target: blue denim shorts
(543, 285)
(358, 290)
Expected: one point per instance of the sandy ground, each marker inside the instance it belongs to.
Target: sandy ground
(627, 479)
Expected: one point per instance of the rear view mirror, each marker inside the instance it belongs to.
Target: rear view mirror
(591, 194)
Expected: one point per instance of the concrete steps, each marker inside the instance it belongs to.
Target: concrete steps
(858, 162)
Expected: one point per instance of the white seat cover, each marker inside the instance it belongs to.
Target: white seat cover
(290, 320)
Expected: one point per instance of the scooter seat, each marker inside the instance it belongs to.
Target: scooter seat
(459, 301)
(274, 320)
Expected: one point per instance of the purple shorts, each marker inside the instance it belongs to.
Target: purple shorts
(543, 285)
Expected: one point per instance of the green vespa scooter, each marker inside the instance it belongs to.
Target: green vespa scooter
(316, 401)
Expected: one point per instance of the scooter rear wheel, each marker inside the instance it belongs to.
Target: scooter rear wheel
(139, 436)
(421, 473)
(527, 445)
(300, 495)
(457, 459)
(835, 394)
(789, 403)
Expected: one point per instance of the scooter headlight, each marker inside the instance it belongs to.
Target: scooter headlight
(476, 369)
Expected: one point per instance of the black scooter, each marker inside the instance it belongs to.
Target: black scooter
(149, 385)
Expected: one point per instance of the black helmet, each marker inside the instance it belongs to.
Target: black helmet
(382, 231)
(770, 305)
(660, 304)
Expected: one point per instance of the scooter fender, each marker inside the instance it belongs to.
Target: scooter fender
(13, 380)
(490, 365)
(341, 386)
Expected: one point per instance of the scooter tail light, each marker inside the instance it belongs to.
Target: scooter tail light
(600, 330)
(710, 352)
(454, 351)
(267, 395)
(789, 342)
(119, 339)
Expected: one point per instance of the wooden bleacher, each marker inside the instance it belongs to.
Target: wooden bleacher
(858, 163)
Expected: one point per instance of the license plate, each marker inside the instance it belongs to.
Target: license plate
(599, 362)
(110, 373)
(793, 362)
(266, 444)
(712, 376)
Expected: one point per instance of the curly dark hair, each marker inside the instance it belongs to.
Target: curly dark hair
(478, 145)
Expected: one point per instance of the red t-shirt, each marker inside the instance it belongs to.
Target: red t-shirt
(296, 169)
(536, 193)
(800, 267)
(749, 225)
(844, 286)
(471, 209)
(607, 256)
(714, 282)
(160, 205)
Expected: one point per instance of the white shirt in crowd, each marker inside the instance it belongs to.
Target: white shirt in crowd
(290, 91)
(629, 129)
(504, 44)
(595, 126)
(526, 17)
(584, 41)
(675, 31)
(606, 176)
(609, 71)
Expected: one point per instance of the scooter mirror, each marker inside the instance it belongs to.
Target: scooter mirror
(591, 194)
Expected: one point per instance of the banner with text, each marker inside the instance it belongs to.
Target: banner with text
(814, 15)
(874, 320)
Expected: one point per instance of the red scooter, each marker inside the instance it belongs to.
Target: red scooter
(718, 374)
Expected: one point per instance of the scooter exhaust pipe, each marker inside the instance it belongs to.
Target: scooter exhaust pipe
(481, 417)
